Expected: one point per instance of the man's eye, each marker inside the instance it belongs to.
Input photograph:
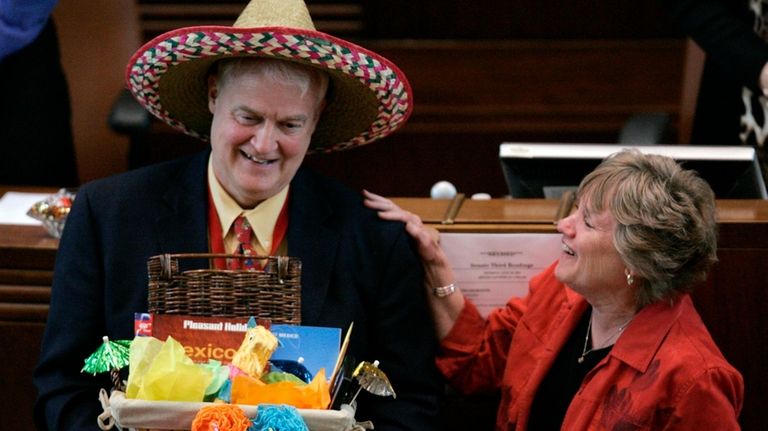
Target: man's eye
(247, 119)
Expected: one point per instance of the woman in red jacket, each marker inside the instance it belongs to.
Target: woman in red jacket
(607, 337)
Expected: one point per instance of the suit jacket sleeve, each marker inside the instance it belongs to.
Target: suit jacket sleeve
(359, 268)
(402, 338)
(100, 277)
(67, 399)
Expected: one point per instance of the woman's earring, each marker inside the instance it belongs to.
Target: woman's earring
(630, 277)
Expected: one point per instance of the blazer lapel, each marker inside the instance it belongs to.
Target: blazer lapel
(313, 237)
(182, 225)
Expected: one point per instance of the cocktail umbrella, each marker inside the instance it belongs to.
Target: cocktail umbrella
(372, 379)
(110, 357)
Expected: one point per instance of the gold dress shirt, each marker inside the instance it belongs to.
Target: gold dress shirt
(262, 218)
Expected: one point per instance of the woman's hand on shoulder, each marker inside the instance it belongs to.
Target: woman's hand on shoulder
(427, 238)
(438, 273)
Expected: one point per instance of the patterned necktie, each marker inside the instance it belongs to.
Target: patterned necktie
(243, 233)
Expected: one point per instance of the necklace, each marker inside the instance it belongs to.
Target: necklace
(585, 352)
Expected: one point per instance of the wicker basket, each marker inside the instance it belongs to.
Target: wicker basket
(273, 293)
(135, 414)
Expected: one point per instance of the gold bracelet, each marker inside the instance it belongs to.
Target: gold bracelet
(443, 291)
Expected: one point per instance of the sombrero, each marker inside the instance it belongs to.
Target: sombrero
(369, 97)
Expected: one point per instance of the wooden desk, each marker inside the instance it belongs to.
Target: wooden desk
(733, 301)
(26, 268)
(27, 255)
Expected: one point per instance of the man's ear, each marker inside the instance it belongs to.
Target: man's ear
(213, 92)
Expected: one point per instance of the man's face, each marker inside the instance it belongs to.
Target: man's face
(260, 133)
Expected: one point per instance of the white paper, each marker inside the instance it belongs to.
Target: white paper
(491, 268)
(14, 207)
(601, 151)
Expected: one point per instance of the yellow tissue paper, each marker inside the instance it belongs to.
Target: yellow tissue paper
(172, 376)
(315, 395)
(143, 352)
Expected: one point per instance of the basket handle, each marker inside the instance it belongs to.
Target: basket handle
(166, 258)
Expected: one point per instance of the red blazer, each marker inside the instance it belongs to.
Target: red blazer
(664, 372)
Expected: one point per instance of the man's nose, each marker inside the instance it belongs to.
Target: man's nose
(264, 138)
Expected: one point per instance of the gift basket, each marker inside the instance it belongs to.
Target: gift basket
(251, 390)
(273, 293)
(133, 413)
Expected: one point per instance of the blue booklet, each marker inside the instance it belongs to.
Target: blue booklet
(319, 346)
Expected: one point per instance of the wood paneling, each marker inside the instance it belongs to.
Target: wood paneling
(19, 348)
(519, 19)
(340, 18)
(482, 73)
(470, 96)
(27, 256)
(730, 304)
(96, 39)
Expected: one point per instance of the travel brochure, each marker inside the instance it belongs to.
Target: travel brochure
(219, 338)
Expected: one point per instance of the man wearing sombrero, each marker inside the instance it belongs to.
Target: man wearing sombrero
(265, 92)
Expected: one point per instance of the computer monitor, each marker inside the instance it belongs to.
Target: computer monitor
(542, 170)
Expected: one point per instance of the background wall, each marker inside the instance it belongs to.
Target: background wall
(482, 72)
(96, 39)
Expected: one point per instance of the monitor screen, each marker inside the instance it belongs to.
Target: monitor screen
(546, 170)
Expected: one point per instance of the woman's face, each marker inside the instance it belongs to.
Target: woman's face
(589, 263)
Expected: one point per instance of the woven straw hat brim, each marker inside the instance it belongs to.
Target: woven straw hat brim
(369, 97)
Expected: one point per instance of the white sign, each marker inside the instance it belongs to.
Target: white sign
(491, 268)
(14, 207)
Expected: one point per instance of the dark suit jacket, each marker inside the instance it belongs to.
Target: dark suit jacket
(355, 267)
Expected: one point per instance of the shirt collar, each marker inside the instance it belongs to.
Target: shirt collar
(643, 337)
(262, 218)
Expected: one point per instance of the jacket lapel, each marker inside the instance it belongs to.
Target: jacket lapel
(313, 237)
(182, 225)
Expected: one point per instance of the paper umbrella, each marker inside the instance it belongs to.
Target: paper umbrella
(370, 377)
(110, 357)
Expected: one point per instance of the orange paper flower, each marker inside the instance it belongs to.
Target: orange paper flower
(221, 417)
